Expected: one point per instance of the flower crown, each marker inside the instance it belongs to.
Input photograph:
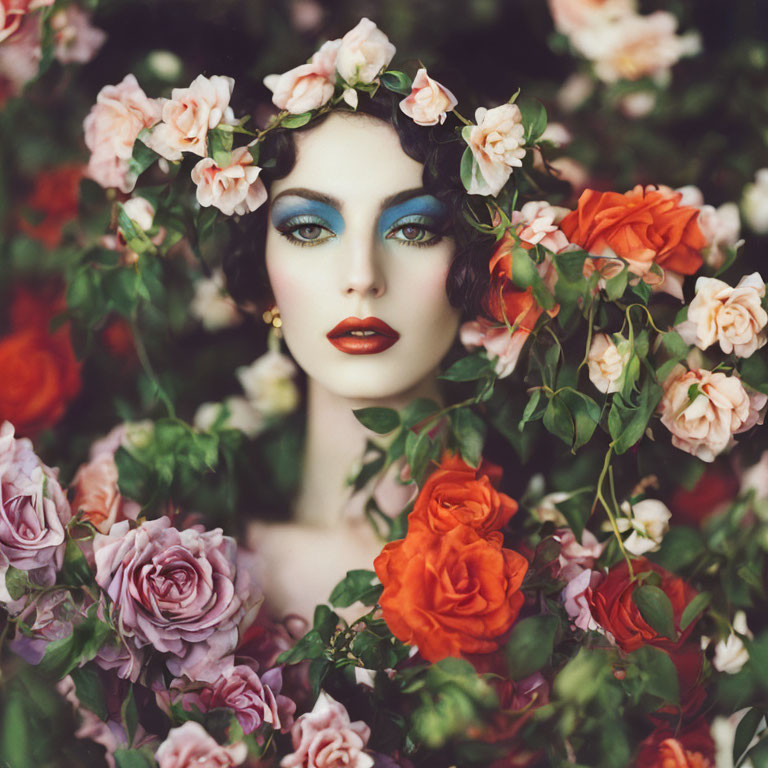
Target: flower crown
(127, 132)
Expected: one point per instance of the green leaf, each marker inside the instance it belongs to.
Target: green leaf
(694, 609)
(220, 146)
(17, 582)
(656, 609)
(658, 672)
(534, 119)
(311, 646)
(754, 371)
(136, 238)
(585, 413)
(674, 344)
(132, 758)
(530, 645)
(90, 690)
(469, 167)
(417, 411)
(469, 430)
(616, 285)
(135, 479)
(558, 421)
(318, 671)
(680, 547)
(570, 265)
(531, 411)
(396, 81)
(379, 420)
(296, 121)
(142, 157)
(325, 622)
(745, 732)
(525, 274)
(129, 714)
(626, 423)
(642, 290)
(356, 586)
(576, 509)
(76, 571)
(469, 368)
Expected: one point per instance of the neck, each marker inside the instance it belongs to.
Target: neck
(335, 444)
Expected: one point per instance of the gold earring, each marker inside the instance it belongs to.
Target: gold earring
(272, 318)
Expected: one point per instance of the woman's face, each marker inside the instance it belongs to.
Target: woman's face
(358, 262)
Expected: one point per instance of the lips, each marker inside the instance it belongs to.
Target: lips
(362, 337)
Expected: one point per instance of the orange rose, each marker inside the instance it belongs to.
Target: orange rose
(452, 593)
(692, 747)
(457, 494)
(54, 200)
(645, 226)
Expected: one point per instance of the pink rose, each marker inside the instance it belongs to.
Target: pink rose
(97, 496)
(428, 102)
(571, 15)
(189, 114)
(121, 112)
(307, 86)
(576, 557)
(12, 13)
(537, 223)
(497, 147)
(325, 738)
(190, 746)
(33, 513)
(183, 593)
(74, 37)
(19, 58)
(574, 598)
(236, 189)
(498, 342)
(703, 410)
(364, 52)
(254, 700)
(49, 617)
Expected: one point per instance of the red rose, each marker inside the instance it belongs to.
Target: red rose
(614, 609)
(692, 747)
(713, 489)
(54, 201)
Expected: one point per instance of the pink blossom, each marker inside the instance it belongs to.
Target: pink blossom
(574, 556)
(255, 700)
(574, 598)
(236, 189)
(307, 86)
(12, 13)
(121, 112)
(33, 513)
(74, 37)
(325, 738)
(191, 746)
(19, 58)
(498, 342)
(429, 102)
(537, 223)
(183, 593)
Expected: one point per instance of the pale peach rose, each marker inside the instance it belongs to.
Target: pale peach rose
(141, 212)
(189, 114)
(191, 746)
(498, 342)
(75, 39)
(212, 305)
(546, 510)
(497, 146)
(429, 102)
(570, 15)
(638, 104)
(703, 410)
(12, 13)
(307, 86)
(649, 522)
(537, 223)
(632, 47)
(732, 317)
(236, 189)
(731, 654)
(233, 413)
(574, 92)
(364, 52)
(607, 360)
(754, 203)
(121, 112)
(557, 134)
(268, 383)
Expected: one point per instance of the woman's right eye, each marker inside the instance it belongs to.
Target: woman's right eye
(305, 232)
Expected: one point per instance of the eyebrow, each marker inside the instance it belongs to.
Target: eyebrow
(321, 197)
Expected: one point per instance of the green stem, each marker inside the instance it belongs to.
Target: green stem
(141, 351)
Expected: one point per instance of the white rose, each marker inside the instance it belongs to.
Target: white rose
(606, 361)
(236, 189)
(754, 203)
(364, 52)
(141, 212)
(731, 654)
(189, 114)
(307, 86)
(212, 305)
(734, 317)
(269, 384)
(649, 521)
(497, 147)
(428, 102)
(538, 222)
(234, 412)
(547, 511)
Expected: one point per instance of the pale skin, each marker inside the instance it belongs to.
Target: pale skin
(352, 234)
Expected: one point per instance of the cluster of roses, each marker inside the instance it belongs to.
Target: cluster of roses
(160, 601)
(658, 236)
(620, 43)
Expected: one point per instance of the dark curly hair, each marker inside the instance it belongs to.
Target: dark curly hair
(437, 148)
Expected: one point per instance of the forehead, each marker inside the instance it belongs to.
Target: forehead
(351, 157)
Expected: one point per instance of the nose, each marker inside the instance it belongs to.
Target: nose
(362, 271)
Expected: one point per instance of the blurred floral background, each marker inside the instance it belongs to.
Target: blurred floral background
(694, 112)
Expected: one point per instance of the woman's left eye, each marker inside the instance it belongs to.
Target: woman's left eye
(414, 233)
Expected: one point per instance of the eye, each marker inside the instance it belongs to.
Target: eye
(415, 232)
(303, 230)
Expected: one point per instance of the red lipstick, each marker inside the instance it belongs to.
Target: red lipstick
(362, 337)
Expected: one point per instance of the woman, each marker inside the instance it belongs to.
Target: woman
(368, 260)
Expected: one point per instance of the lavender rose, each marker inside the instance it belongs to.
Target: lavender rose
(33, 513)
(183, 593)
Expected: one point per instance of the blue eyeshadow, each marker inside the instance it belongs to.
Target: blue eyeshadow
(289, 207)
(427, 206)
